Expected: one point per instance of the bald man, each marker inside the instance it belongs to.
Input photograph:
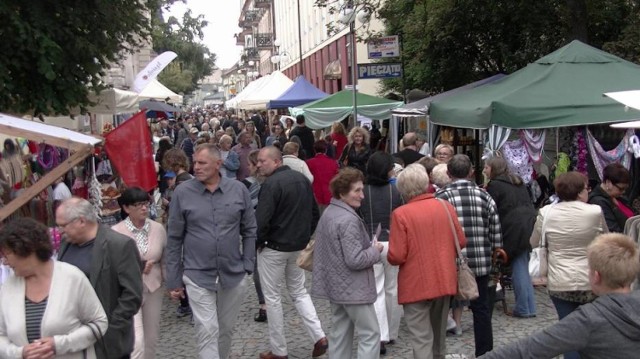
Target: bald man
(287, 215)
(410, 152)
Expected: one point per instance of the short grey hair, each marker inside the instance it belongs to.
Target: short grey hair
(413, 181)
(210, 148)
(440, 176)
(75, 207)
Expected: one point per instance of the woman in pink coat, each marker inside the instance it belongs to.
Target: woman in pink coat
(151, 238)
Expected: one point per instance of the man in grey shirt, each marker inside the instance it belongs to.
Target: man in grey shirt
(211, 248)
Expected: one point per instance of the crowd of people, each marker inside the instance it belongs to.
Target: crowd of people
(244, 196)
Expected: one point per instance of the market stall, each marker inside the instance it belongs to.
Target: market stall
(79, 146)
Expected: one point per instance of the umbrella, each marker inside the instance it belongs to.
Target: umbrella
(158, 106)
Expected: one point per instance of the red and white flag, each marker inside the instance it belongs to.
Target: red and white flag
(129, 149)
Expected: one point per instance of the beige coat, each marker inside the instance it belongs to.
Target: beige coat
(155, 251)
(570, 228)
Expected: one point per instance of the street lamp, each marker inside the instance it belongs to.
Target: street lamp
(348, 16)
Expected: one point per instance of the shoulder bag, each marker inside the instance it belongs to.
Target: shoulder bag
(538, 263)
(467, 285)
(305, 258)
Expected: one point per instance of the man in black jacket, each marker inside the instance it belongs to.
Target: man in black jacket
(287, 215)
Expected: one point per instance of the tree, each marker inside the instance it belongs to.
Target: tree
(53, 53)
(448, 43)
(194, 60)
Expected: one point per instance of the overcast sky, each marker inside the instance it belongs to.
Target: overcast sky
(222, 16)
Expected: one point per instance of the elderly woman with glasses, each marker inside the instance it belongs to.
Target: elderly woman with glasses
(151, 239)
(47, 308)
(609, 196)
(568, 228)
(443, 153)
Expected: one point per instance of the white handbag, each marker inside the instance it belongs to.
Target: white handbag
(538, 263)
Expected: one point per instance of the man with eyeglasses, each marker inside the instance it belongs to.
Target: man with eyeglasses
(112, 263)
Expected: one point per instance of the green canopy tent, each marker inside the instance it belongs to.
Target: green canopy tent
(322, 113)
(561, 89)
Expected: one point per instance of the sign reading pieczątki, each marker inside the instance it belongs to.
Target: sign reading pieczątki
(380, 70)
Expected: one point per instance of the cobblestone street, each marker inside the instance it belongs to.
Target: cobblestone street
(251, 338)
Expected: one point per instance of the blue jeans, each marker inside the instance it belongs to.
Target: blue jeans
(522, 286)
(564, 308)
(482, 310)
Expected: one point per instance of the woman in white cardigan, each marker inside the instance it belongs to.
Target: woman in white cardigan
(47, 309)
(151, 239)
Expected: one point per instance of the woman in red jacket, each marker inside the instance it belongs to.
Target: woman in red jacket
(323, 170)
(422, 243)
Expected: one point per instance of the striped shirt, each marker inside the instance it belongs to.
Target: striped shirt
(478, 216)
(33, 316)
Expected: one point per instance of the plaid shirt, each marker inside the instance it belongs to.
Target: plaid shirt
(479, 219)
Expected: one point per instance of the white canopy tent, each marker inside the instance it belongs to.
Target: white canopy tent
(251, 87)
(157, 91)
(276, 84)
(630, 99)
(114, 102)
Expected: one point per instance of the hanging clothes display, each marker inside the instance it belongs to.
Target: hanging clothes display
(534, 143)
(602, 158)
(496, 138)
(517, 157)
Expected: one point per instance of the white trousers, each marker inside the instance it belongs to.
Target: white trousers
(345, 318)
(214, 316)
(146, 325)
(387, 308)
(277, 268)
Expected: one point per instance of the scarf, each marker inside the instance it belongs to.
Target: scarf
(141, 236)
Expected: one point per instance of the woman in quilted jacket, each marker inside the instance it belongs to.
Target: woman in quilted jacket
(343, 261)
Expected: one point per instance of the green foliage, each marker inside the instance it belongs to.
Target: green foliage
(53, 53)
(194, 61)
(449, 43)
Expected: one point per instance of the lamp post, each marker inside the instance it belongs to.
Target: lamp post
(348, 17)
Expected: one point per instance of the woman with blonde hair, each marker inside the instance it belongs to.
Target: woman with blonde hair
(250, 128)
(357, 152)
(338, 138)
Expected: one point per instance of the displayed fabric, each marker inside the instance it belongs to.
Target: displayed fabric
(562, 164)
(579, 152)
(496, 137)
(518, 160)
(534, 143)
(602, 158)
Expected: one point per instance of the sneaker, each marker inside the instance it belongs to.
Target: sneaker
(451, 324)
(457, 331)
(183, 311)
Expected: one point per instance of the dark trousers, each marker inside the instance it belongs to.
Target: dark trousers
(482, 311)
(564, 308)
(256, 282)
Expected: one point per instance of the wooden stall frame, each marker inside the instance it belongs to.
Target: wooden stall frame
(78, 152)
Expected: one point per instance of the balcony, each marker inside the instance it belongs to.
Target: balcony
(263, 4)
(252, 53)
(264, 41)
(252, 17)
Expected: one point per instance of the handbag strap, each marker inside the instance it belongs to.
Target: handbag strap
(453, 229)
(543, 231)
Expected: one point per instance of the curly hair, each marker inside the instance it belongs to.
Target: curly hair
(341, 183)
(174, 160)
(360, 130)
(25, 236)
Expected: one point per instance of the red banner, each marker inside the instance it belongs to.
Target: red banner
(129, 149)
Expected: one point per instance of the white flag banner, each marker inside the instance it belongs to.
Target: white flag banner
(152, 70)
